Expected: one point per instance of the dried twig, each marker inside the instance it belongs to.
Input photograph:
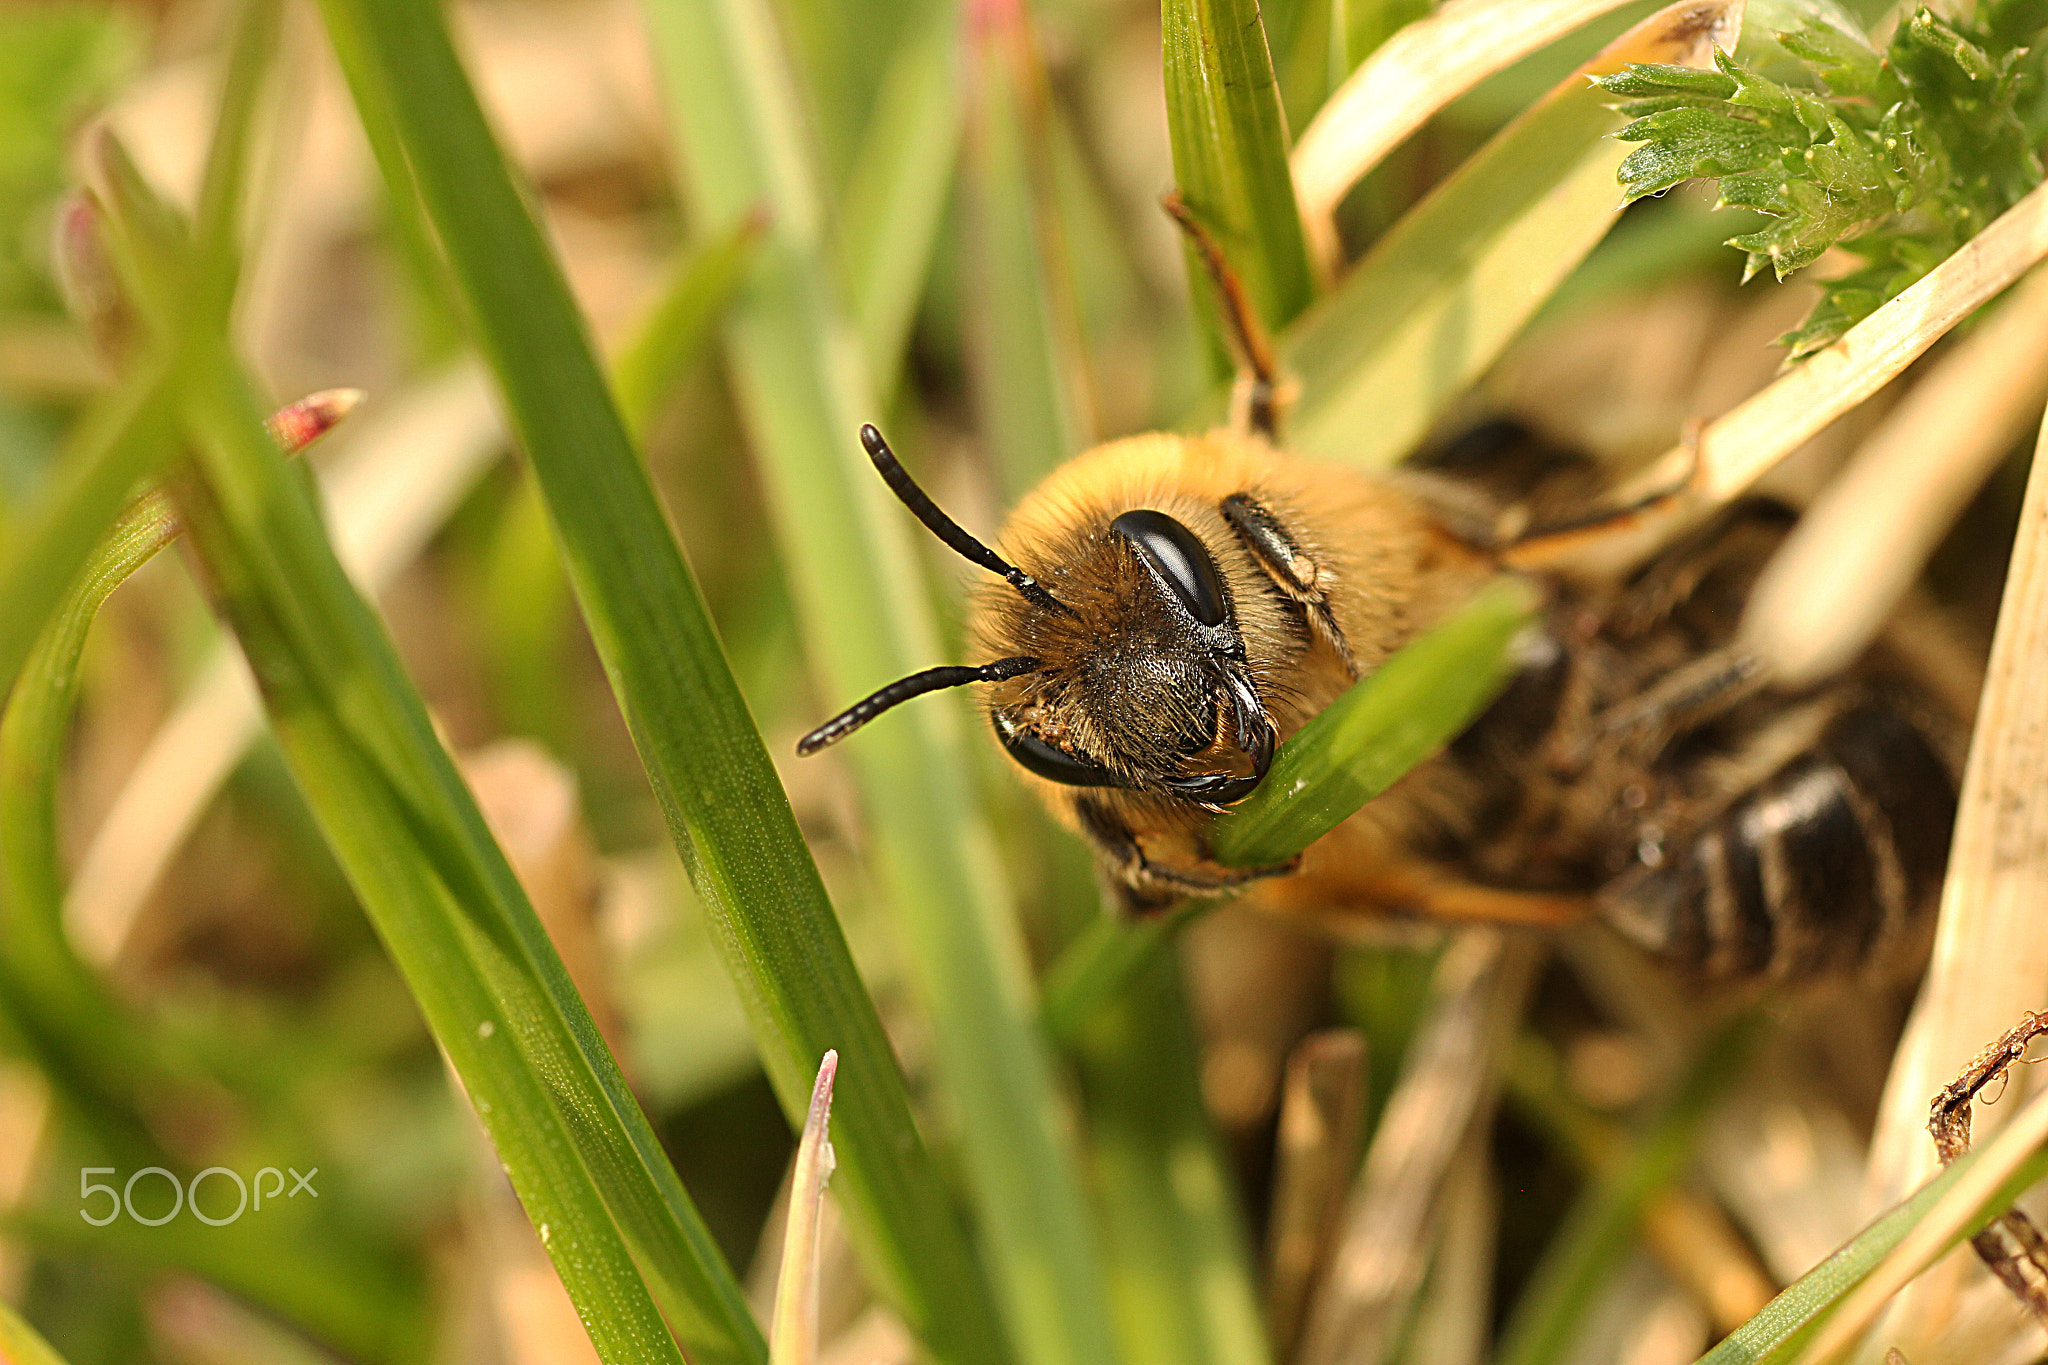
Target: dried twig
(1321, 1108)
(2011, 1246)
(1448, 1079)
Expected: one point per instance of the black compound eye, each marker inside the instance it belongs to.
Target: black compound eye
(1054, 765)
(1178, 557)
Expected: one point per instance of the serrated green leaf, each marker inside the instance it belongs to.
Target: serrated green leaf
(1662, 78)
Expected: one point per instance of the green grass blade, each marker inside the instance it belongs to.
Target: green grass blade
(21, 1344)
(35, 731)
(116, 447)
(1025, 352)
(676, 330)
(1364, 741)
(599, 1134)
(1602, 1226)
(391, 805)
(125, 443)
(102, 1059)
(896, 195)
(1180, 1269)
(803, 390)
(1230, 151)
(1448, 287)
(715, 784)
(1776, 1335)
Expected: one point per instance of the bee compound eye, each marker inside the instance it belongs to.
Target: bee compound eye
(1051, 763)
(1178, 556)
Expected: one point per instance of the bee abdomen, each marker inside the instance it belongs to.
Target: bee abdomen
(1826, 865)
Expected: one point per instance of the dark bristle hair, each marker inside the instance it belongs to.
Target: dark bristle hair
(902, 690)
(945, 528)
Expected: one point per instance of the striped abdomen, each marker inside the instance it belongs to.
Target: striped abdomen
(1828, 863)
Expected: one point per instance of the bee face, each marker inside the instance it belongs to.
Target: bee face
(1144, 685)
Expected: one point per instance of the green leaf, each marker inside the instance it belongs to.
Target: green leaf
(804, 389)
(21, 1344)
(1776, 1334)
(1436, 300)
(715, 784)
(896, 194)
(391, 805)
(1602, 1226)
(1230, 151)
(677, 328)
(1363, 742)
(1027, 362)
(1900, 160)
(1178, 1260)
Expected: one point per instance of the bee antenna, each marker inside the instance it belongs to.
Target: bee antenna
(902, 690)
(945, 528)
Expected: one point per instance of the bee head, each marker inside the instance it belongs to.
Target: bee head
(1134, 676)
(1143, 685)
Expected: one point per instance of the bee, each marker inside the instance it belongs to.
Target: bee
(1174, 608)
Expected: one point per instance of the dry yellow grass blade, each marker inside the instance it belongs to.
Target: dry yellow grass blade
(1414, 74)
(1479, 989)
(1731, 452)
(1735, 449)
(1990, 960)
(1864, 541)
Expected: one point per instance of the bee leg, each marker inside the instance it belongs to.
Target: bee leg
(1155, 883)
(1296, 575)
(1333, 890)
(2010, 1246)
(1683, 699)
(1259, 397)
(1634, 529)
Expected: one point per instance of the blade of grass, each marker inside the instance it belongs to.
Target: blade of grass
(1094, 967)
(896, 194)
(1178, 1260)
(117, 446)
(21, 1344)
(1863, 541)
(676, 329)
(803, 390)
(715, 784)
(392, 807)
(372, 772)
(795, 1333)
(1230, 152)
(1987, 945)
(1737, 448)
(1363, 742)
(1411, 76)
(1602, 1225)
(35, 730)
(1356, 748)
(1478, 988)
(1030, 378)
(1785, 1330)
(125, 443)
(104, 1060)
(1448, 287)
